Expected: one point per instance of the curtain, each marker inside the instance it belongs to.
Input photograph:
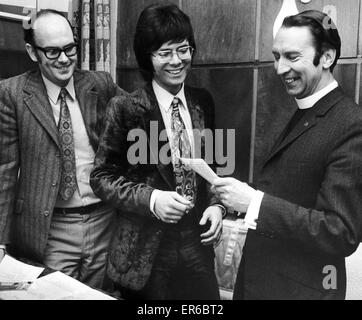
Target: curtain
(92, 22)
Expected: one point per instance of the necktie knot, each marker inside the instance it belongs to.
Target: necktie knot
(175, 103)
(63, 93)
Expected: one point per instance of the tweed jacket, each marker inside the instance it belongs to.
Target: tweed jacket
(311, 214)
(128, 186)
(30, 162)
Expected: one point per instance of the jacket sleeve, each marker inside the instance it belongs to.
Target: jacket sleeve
(9, 161)
(109, 178)
(334, 225)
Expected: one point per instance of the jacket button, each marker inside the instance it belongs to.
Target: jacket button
(46, 213)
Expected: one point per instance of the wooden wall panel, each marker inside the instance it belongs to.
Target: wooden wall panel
(224, 30)
(274, 109)
(232, 91)
(129, 12)
(360, 29)
(345, 74)
(347, 23)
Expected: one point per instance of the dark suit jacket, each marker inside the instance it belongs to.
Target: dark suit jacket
(30, 153)
(128, 186)
(311, 214)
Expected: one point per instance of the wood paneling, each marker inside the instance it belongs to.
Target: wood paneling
(347, 23)
(224, 30)
(360, 29)
(129, 12)
(274, 109)
(232, 91)
(345, 74)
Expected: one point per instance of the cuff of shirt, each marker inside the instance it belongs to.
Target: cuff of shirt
(223, 209)
(252, 214)
(154, 195)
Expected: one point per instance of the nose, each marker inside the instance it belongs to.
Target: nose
(281, 66)
(63, 57)
(175, 58)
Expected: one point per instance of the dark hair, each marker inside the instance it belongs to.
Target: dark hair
(29, 33)
(157, 24)
(323, 29)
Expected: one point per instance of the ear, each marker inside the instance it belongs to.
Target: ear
(328, 58)
(31, 52)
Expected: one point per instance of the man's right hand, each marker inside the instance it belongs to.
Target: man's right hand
(170, 207)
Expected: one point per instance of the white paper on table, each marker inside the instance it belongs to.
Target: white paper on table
(201, 167)
(12, 270)
(56, 286)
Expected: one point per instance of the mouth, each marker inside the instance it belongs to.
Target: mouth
(63, 68)
(290, 80)
(175, 72)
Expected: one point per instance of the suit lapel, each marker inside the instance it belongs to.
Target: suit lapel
(149, 101)
(88, 100)
(36, 99)
(308, 122)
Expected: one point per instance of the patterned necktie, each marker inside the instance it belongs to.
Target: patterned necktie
(181, 147)
(68, 181)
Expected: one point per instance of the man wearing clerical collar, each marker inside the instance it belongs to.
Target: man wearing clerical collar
(303, 217)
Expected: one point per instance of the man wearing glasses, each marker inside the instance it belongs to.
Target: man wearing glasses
(50, 122)
(163, 245)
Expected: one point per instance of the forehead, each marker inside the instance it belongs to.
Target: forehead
(293, 39)
(173, 45)
(52, 31)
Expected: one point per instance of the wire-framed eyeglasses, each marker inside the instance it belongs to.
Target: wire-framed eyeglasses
(166, 55)
(53, 53)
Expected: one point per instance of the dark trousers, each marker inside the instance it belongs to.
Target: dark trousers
(183, 270)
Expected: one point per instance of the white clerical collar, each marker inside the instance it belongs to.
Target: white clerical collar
(309, 102)
(165, 98)
(53, 90)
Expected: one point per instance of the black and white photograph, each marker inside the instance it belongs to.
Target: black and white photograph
(181, 156)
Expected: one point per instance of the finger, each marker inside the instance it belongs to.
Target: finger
(212, 231)
(212, 239)
(178, 207)
(181, 199)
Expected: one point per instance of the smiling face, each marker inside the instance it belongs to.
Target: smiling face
(172, 74)
(294, 53)
(53, 31)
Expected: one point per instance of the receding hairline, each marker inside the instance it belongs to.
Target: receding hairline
(48, 15)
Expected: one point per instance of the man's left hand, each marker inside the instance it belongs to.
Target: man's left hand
(213, 214)
(234, 194)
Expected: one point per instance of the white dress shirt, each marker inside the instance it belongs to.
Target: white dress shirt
(84, 154)
(252, 213)
(164, 99)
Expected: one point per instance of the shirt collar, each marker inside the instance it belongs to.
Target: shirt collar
(309, 102)
(53, 90)
(165, 98)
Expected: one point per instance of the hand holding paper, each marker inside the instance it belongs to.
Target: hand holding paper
(201, 167)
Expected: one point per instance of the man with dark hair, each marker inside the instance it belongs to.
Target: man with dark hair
(162, 248)
(305, 217)
(50, 122)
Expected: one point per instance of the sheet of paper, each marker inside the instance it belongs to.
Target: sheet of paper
(12, 270)
(201, 167)
(56, 286)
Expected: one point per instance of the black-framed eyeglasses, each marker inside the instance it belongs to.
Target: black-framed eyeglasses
(53, 53)
(164, 56)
